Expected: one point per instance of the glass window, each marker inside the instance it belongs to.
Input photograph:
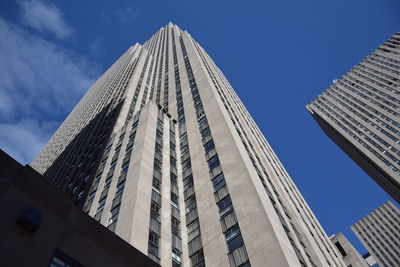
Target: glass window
(120, 187)
(125, 167)
(213, 162)
(219, 182)
(60, 259)
(206, 132)
(209, 146)
(235, 242)
(176, 258)
(225, 206)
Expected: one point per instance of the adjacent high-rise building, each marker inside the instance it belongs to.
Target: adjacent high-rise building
(379, 232)
(360, 113)
(350, 255)
(162, 151)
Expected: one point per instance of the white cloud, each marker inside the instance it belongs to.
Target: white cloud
(44, 18)
(40, 82)
(24, 139)
(36, 75)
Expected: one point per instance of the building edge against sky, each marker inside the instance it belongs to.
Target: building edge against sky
(162, 151)
(350, 255)
(360, 113)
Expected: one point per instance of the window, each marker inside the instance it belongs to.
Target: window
(91, 196)
(233, 238)
(132, 135)
(202, 121)
(107, 182)
(117, 149)
(128, 150)
(153, 243)
(176, 258)
(101, 203)
(156, 184)
(206, 132)
(219, 181)
(193, 230)
(197, 259)
(114, 214)
(157, 163)
(190, 204)
(174, 200)
(174, 179)
(60, 259)
(232, 233)
(209, 146)
(112, 165)
(198, 106)
(225, 206)
(125, 167)
(341, 249)
(155, 210)
(119, 188)
(213, 162)
(175, 226)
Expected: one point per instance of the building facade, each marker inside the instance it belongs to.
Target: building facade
(379, 232)
(350, 255)
(360, 113)
(162, 151)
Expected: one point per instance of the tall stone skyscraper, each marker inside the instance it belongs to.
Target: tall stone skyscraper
(162, 151)
(360, 113)
(379, 232)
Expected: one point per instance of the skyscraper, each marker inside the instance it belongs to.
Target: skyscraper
(379, 232)
(162, 151)
(360, 113)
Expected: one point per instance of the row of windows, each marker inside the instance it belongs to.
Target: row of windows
(345, 125)
(175, 214)
(137, 89)
(233, 236)
(196, 254)
(71, 130)
(166, 77)
(244, 137)
(155, 67)
(366, 129)
(114, 210)
(155, 206)
(162, 44)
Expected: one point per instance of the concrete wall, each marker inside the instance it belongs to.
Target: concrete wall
(63, 226)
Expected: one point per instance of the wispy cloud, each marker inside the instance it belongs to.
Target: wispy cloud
(44, 17)
(39, 84)
(128, 14)
(24, 139)
(95, 46)
(36, 75)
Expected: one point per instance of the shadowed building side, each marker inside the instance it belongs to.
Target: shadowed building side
(41, 226)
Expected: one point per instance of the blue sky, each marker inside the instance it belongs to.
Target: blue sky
(278, 55)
